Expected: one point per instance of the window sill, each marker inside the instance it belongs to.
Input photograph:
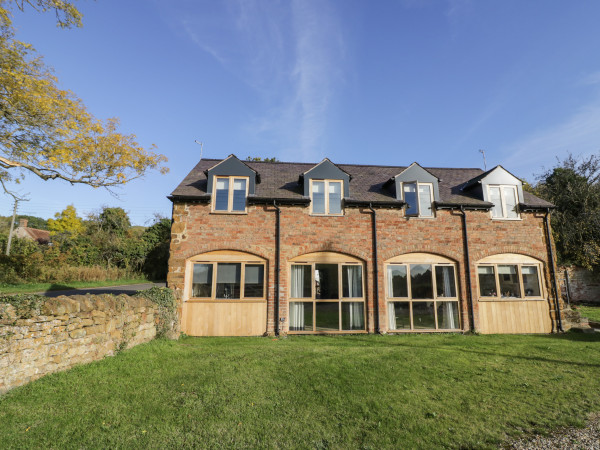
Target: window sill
(225, 300)
(419, 217)
(503, 299)
(326, 215)
(330, 332)
(507, 219)
(238, 213)
(426, 330)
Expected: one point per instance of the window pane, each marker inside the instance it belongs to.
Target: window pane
(353, 316)
(410, 197)
(318, 197)
(335, 197)
(447, 314)
(531, 281)
(495, 199)
(222, 194)
(202, 281)
(254, 276)
(301, 281)
(352, 281)
(509, 282)
(510, 200)
(421, 281)
(397, 282)
(328, 316)
(228, 280)
(239, 194)
(423, 315)
(326, 281)
(425, 200)
(444, 280)
(487, 281)
(301, 316)
(399, 315)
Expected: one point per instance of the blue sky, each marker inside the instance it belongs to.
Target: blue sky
(372, 82)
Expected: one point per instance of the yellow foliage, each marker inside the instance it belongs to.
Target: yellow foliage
(47, 130)
(66, 222)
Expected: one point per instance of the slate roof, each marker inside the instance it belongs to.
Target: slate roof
(280, 180)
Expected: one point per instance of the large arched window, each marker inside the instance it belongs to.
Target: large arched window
(327, 293)
(510, 276)
(421, 293)
(226, 275)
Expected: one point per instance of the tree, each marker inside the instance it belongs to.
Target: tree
(573, 185)
(66, 222)
(48, 131)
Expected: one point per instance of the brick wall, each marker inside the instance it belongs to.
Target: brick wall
(67, 331)
(584, 284)
(195, 230)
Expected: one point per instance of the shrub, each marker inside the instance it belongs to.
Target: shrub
(167, 310)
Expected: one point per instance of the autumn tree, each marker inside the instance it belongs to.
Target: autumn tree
(47, 131)
(66, 222)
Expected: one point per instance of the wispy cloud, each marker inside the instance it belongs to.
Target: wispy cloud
(290, 53)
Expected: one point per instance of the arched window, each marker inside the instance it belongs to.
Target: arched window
(326, 293)
(510, 276)
(226, 275)
(421, 293)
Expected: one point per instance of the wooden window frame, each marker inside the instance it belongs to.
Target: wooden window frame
(523, 297)
(219, 257)
(431, 195)
(435, 299)
(327, 213)
(503, 201)
(229, 210)
(340, 300)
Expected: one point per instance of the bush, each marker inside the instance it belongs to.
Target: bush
(167, 310)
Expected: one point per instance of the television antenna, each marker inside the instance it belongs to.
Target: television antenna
(201, 144)
(484, 164)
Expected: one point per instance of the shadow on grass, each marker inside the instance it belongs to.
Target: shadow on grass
(59, 287)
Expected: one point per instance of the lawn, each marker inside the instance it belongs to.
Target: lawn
(26, 288)
(591, 312)
(410, 391)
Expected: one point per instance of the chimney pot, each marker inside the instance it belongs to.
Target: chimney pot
(23, 223)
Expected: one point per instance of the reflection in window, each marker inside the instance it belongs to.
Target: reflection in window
(222, 194)
(228, 280)
(254, 276)
(423, 315)
(239, 194)
(505, 202)
(487, 281)
(318, 197)
(420, 281)
(447, 315)
(326, 197)
(509, 281)
(353, 316)
(531, 281)
(418, 198)
(397, 281)
(326, 281)
(202, 280)
(444, 279)
(335, 197)
(301, 316)
(230, 194)
(327, 316)
(212, 280)
(399, 315)
(410, 197)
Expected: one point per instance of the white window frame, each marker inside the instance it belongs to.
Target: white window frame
(230, 209)
(417, 184)
(327, 181)
(503, 201)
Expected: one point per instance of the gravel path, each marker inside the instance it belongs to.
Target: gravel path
(566, 438)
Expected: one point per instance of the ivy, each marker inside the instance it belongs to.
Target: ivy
(164, 299)
(26, 305)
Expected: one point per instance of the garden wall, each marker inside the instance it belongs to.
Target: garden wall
(58, 333)
(584, 285)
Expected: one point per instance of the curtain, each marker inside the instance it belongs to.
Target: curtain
(447, 285)
(356, 320)
(391, 317)
(449, 321)
(297, 316)
(354, 281)
(297, 290)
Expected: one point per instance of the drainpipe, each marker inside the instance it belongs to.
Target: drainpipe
(277, 261)
(375, 267)
(468, 267)
(553, 272)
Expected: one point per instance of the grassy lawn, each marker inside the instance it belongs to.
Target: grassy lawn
(411, 391)
(591, 312)
(44, 287)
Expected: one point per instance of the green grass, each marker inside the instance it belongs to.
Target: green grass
(26, 288)
(410, 391)
(591, 312)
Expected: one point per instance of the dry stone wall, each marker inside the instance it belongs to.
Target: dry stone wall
(584, 285)
(66, 331)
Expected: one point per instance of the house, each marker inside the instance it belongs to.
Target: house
(32, 234)
(276, 247)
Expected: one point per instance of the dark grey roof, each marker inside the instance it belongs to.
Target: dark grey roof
(280, 180)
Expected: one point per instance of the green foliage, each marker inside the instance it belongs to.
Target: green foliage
(167, 309)
(26, 305)
(574, 187)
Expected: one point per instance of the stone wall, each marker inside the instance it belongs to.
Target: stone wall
(65, 331)
(584, 285)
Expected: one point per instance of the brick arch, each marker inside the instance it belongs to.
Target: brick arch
(199, 249)
(478, 256)
(332, 248)
(455, 256)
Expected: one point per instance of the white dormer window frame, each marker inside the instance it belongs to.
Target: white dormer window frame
(331, 205)
(226, 185)
(420, 199)
(502, 210)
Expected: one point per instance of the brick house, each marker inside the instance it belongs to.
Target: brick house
(32, 234)
(274, 247)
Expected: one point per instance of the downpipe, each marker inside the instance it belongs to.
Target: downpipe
(375, 267)
(553, 273)
(468, 268)
(277, 263)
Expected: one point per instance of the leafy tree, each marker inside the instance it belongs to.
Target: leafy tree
(157, 238)
(573, 185)
(66, 222)
(48, 131)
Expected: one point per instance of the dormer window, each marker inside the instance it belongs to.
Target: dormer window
(326, 197)
(505, 202)
(418, 198)
(230, 194)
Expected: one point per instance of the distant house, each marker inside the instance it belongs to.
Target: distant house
(33, 234)
(276, 247)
